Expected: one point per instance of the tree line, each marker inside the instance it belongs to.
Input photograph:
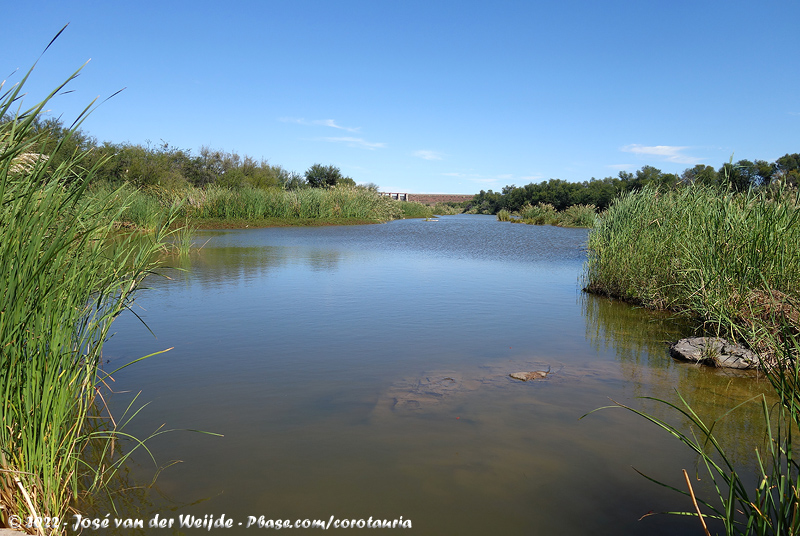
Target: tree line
(739, 176)
(173, 168)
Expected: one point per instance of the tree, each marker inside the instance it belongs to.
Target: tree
(787, 169)
(763, 172)
(294, 181)
(701, 174)
(319, 176)
(734, 176)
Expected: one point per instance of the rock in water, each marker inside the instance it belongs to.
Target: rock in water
(525, 376)
(714, 352)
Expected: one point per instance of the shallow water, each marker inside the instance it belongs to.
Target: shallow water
(362, 371)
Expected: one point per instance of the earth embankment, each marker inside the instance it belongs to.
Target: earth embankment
(432, 199)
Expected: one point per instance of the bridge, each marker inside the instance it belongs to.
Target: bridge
(398, 196)
(428, 199)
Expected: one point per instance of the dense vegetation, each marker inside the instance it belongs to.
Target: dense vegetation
(67, 274)
(215, 188)
(170, 168)
(731, 260)
(215, 206)
(739, 176)
(546, 214)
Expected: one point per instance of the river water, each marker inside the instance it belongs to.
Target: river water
(362, 371)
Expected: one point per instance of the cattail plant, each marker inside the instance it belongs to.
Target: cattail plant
(64, 280)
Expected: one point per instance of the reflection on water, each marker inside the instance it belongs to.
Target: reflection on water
(363, 371)
(642, 338)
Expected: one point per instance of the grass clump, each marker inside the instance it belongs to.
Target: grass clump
(539, 214)
(546, 214)
(577, 216)
(504, 215)
(217, 205)
(67, 274)
(412, 209)
(730, 259)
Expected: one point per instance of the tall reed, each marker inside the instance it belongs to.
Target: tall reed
(728, 259)
(504, 215)
(768, 504)
(412, 209)
(546, 214)
(146, 207)
(64, 281)
(539, 214)
(731, 261)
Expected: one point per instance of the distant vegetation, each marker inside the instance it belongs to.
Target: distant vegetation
(217, 206)
(214, 187)
(739, 177)
(546, 214)
(165, 166)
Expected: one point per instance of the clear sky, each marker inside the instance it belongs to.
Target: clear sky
(428, 96)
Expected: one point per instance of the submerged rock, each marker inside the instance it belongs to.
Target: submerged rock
(438, 389)
(534, 375)
(714, 352)
(429, 390)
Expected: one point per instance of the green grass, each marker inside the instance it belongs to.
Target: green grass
(226, 207)
(546, 214)
(540, 214)
(732, 262)
(412, 209)
(578, 216)
(67, 274)
(504, 215)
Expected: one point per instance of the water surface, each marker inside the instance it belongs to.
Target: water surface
(363, 371)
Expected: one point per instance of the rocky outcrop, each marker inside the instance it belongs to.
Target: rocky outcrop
(714, 352)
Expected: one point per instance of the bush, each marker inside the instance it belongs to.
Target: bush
(319, 176)
(504, 215)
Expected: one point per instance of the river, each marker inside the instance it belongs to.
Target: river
(362, 372)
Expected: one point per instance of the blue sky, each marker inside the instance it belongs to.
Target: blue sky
(429, 97)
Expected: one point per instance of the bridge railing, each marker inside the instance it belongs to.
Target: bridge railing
(394, 195)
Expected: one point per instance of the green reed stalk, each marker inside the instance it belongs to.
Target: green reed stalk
(64, 281)
(728, 259)
(732, 261)
(772, 506)
(146, 207)
(504, 215)
(546, 214)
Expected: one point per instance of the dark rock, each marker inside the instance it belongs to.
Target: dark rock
(714, 352)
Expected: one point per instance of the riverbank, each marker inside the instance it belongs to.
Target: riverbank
(730, 260)
(217, 207)
(546, 214)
